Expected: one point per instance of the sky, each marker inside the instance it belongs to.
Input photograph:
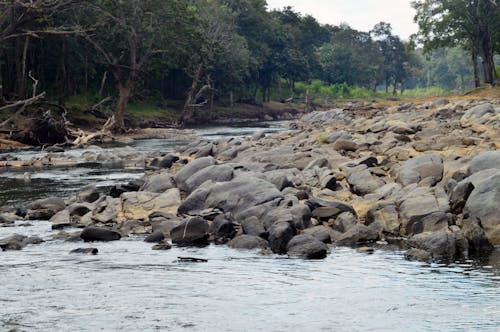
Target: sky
(359, 14)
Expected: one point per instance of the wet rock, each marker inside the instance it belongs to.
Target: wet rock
(164, 245)
(191, 232)
(357, 234)
(44, 209)
(18, 242)
(190, 169)
(78, 210)
(442, 245)
(88, 251)
(222, 229)
(414, 254)
(246, 241)
(427, 166)
(164, 224)
(91, 234)
(88, 194)
(158, 183)
(280, 233)
(156, 236)
(117, 190)
(306, 246)
(482, 207)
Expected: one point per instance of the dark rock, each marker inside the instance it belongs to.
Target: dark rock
(322, 233)
(442, 245)
(92, 251)
(344, 222)
(280, 233)
(428, 223)
(21, 212)
(459, 196)
(168, 161)
(78, 210)
(357, 234)
(91, 234)
(252, 226)
(191, 232)
(246, 241)
(119, 189)
(387, 215)
(324, 210)
(88, 194)
(476, 237)
(222, 228)
(418, 255)
(157, 236)
(306, 246)
(164, 245)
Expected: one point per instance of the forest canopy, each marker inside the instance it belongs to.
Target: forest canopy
(205, 51)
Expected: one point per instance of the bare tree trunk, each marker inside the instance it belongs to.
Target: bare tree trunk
(188, 110)
(22, 79)
(125, 92)
(477, 83)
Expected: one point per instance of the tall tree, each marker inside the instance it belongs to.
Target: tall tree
(471, 24)
(128, 34)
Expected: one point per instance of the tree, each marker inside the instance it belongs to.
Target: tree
(128, 34)
(471, 24)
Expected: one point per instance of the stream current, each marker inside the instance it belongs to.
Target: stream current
(130, 287)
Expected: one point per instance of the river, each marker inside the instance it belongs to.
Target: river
(130, 287)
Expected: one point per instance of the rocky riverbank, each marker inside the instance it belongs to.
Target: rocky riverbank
(423, 176)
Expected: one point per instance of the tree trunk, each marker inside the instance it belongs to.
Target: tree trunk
(477, 83)
(125, 92)
(188, 110)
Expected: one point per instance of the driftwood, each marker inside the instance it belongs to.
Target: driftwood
(192, 259)
(83, 137)
(23, 103)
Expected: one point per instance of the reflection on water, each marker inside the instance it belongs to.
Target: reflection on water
(130, 287)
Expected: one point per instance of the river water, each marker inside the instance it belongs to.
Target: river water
(130, 287)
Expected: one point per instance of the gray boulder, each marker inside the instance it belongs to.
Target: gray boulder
(158, 183)
(190, 169)
(252, 226)
(306, 246)
(191, 232)
(427, 166)
(215, 173)
(483, 161)
(91, 234)
(386, 213)
(482, 207)
(156, 236)
(280, 233)
(88, 194)
(320, 232)
(363, 182)
(246, 241)
(442, 245)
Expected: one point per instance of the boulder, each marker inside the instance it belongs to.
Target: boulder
(88, 194)
(459, 195)
(484, 161)
(252, 226)
(168, 161)
(117, 190)
(424, 209)
(235, 196)
(345, 145)
(363, 182)
(476, 237)
(414, 254)
(427, 166)
(306, 246)
(357, 234)
(280, 233)
(324, 210)
(190, 169)
(482, 207)
(385, 213)
(215, 173)
(480, 114)
(158, 183)
(91, 234)
(320, 232)
(246, 241)
(91, 251)
(191, 232)
(139, 205)
(156, 236)
(222, 229)
(442, 245)
(44, 209)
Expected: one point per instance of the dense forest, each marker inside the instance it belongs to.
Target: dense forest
(201, 52)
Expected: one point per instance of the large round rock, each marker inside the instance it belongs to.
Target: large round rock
(191, 232)
(306, 246)
(91, 234)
